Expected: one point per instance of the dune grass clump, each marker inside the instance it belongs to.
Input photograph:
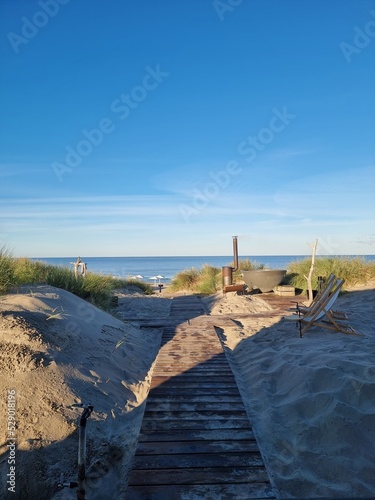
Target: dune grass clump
(353, 270)
(204, 281)
(245, 265)
(95, 288)
(209, 280)
(6, 271)
(185, 280)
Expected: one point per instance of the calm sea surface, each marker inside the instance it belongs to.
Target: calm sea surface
(148, 267)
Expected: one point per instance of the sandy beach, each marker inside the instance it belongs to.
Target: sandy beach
(311, 401)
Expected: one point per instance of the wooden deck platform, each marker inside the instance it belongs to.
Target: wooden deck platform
(196, 440)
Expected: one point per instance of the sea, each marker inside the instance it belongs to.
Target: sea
(163, 269)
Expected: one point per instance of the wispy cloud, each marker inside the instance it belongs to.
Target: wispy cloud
(290, 212)
(365, 240)
(346, 193)
(287, 154)
(20, 169)
(87, 207)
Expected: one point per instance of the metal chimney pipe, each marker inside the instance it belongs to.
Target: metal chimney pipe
(235, 253)
(227, 271)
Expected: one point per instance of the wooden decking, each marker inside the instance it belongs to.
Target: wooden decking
(196, 440)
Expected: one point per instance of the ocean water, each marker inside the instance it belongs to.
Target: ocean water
(149, 267)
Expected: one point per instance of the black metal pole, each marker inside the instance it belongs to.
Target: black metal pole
(82, 451)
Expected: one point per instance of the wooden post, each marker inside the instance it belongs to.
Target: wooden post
(79, 264)
(309, 277)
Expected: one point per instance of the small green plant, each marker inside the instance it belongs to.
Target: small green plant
(130, 329)
(56, 314)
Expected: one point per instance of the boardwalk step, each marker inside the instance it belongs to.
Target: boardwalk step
(173, 406)
(234, 435)
(195, 424)
(197, 460)
(194, 398)
(248, 490)
(204, 446)
(192, 475)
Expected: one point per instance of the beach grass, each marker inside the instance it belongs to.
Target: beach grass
(353, 270)
(6, 270)
(189, 279)
(95, 288)
(207, 280)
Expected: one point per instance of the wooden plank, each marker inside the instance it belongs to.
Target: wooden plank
(195, 398)
(157, 406)
(238, 491)
(188, 377)
(204, 446)
(210, 475)
(197, 460)
(184, 363)
(197, 435)
(213, 381)
(196, 415)
(192, 392)
(192, 378)
(171, 425)
(179, 367)
(197, 372)
(185, 359)
(174, 385)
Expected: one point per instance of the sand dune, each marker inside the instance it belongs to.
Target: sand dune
(58, 350)
(311, 401)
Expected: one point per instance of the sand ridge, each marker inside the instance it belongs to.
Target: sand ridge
(59, 350)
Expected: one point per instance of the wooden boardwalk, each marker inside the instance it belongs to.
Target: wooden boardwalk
(196, 440)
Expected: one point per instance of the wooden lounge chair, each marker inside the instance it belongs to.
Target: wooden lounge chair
(324, 292)
(322, 315)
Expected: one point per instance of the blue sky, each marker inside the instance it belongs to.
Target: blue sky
(144, 127)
